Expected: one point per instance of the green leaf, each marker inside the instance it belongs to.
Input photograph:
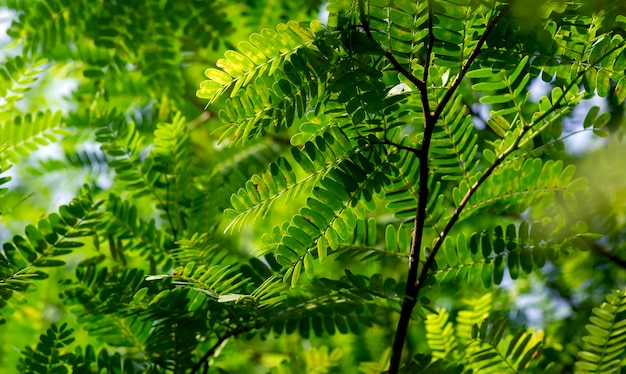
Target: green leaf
(489, 86)
(296, 273)
(591, 116)
(499, 125)
(322, 248)
(309, 267)
(390, 238)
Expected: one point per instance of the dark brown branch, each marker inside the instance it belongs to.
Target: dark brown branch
(203, 362)
(604, 252)
(410, 292)
(399, 146)
(398, 66)
(232, 332)
(470, 60)
(414, 283)
(410, 298)
(419, 84)
(468, 195)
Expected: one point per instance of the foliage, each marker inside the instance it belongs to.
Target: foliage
(388, 189)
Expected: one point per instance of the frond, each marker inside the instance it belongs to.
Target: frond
(364, 245)
(453, 149)
(401, 27)
(172, 155)
(230, 171)
(595, 55)
(316, 158)
(124, 145)
(500, 353)
(214, 281)
(331, 214)
(313, 360)
(97, 296)
(48, 24)
(401, 195)
(200, 248)
(124, 230)
(4, 166)
(422, 363)
(195, 300)
(207, 21)
(124, 309)
(326, 306)
(275, 76)
(515, 120)
(93, 160)
(571, 35)
(265, 52)
(360, 102)
(405, 33)
(440, 334)
(163, 173)
(53, 236)
(516, 185)
(50, 354)
(502, 89)
(25, 134)
(604, 345)
(274, 102)
(475, 311)
(484, 257)
(16, 75)
(88, 361)
(161, 61)
(607, 59)
(87, 160)
(456, 28)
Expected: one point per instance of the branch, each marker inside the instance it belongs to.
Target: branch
(604, 252)
(472, 190)
(203, 117)
(420, 84)
(431, 40)
(470, 60)
(204, 360)
(413, 150)
(410, 292)
(414, 283)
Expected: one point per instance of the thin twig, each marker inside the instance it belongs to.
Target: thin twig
(604, 252)
(389, 55)
(470, 60)
(205, 358)
(413, 150)
(472, 190)
(203, 117)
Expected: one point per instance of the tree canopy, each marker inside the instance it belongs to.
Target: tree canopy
(310, 187)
